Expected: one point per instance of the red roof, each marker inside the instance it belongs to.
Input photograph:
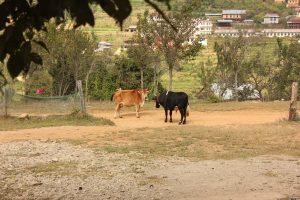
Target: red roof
(294, 20)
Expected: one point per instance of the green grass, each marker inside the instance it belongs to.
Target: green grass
(13, 123)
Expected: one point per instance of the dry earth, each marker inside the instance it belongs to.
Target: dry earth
(37, 164)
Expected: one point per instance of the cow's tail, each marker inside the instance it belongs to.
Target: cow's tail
(188, 110)
(112, 98)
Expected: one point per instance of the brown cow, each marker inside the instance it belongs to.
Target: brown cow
(129, 98)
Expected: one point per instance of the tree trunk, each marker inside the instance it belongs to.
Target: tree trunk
(142, 77)
(155, 81)
(82, 100)
(293, 104)
(236, 86)
(170, 78)
(260, 95)
(87, 82)
(5, 101)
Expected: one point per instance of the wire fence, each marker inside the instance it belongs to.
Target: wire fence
(12, 103)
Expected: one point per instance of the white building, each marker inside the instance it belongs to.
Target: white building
(280, 32)
(234, 32)
(203, 27)
(271, 18)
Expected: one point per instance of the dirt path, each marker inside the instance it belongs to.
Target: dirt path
(155, 118)
(41, 168)
(149, 119)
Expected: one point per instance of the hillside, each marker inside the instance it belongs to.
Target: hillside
(107, 30)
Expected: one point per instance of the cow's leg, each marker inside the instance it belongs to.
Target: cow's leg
(171, 115)
(181, 115)
(166, 112)
(184, 116)
(117, 113)
(137, 109)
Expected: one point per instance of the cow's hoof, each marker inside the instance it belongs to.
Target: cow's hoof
(171, 121)
(138, 116)
(180, 123)
(120, 117)
(166, 120)
(184, 122)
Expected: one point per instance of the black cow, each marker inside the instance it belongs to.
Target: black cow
(172, 101)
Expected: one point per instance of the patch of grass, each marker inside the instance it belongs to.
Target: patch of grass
(199, 142)
(13, 123)
(270, 174)
(151, 180)
(62, 168)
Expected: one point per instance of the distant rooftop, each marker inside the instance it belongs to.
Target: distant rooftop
(294, 20)
(132, 26)
(272, 15)
(234, 12)
(281, 31)
(224, 21)
(213, 14)
(104, 43)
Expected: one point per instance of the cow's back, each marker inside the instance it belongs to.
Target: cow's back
(173, 99)
(127, 97)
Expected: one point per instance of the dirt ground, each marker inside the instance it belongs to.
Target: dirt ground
(36, 164)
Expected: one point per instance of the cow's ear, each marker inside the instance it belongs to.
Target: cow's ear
(139, 92)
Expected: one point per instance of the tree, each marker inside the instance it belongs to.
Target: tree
(287, 68)
(69, 59)
(172, 44)
(231, 55)
(141, 54)
(21, 20)
(259, 74)
(206, 75)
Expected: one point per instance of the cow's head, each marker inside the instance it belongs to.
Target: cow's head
(156, 101)
(144, 95)
(145, 92)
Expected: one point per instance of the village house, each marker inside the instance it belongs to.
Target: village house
(271, 18)
(293, 23)
(224, 23)
(279, 1)
(252, 33)
(234, 32)
(235, 15)
(213, 14)
(131, 29)
(280, 32)
(292, 3)
(203, 27)
(248, 22)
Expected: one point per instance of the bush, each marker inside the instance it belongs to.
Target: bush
(214, 98)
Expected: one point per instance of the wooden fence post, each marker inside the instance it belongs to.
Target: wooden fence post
(293, 104)
(82, 100)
